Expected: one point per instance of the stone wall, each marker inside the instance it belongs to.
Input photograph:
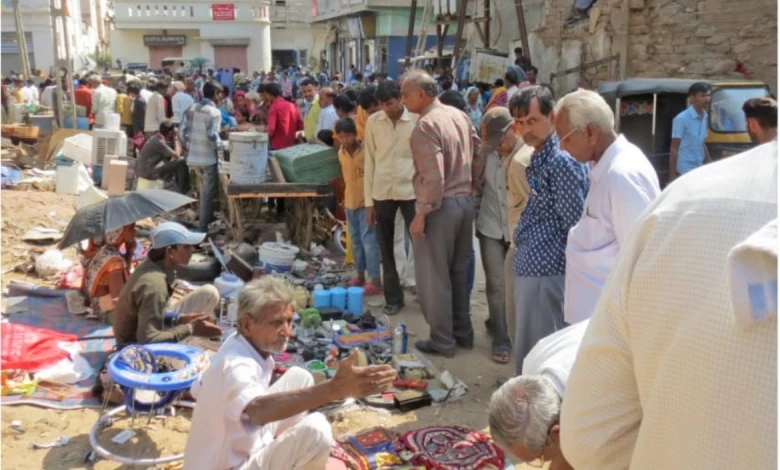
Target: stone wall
(667, 38)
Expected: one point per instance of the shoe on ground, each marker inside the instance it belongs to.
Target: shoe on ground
(427, 347)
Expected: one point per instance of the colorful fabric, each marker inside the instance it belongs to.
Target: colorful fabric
(370, 450)
(499, 98)
(452, 448)
(101, 259)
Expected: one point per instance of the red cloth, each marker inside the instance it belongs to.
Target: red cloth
(29, 348)
(84, 98)
(284, 120)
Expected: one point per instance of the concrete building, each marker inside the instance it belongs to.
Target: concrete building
(86, 30)
(374, 30)
(227, 35)
(294, 39)
(648, 38)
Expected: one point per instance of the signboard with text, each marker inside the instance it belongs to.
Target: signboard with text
(223, 12)
(164, 41)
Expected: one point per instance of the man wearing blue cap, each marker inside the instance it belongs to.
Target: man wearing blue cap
(143, 314)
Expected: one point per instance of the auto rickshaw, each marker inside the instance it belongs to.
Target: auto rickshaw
(645, 107)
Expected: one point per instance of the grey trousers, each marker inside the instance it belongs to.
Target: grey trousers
(493, 256)
(441, 267)
(509, 292)
(539, 309)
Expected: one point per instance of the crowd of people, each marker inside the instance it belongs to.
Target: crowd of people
(639, 321)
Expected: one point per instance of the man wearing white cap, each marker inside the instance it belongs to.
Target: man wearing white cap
(143, 314)
(524, 413)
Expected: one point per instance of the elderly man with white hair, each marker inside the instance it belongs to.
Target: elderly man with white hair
(525, 412)
(622, 184)
(103, 100)
(241, 420)
(181, 101)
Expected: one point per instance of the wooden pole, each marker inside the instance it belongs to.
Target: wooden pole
(521, 27)
(22, 40)
(487, 41)
(410, 34)
(459, 35)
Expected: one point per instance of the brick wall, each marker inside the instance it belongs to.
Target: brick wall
(667, 38)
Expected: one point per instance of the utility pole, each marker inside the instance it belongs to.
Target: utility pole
(22, 40)
(64, 64)
(522, 28)
(410, 35)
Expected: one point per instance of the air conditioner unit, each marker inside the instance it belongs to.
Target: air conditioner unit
(105, 142)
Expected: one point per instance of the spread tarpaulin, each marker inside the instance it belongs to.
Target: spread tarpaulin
(29, 348)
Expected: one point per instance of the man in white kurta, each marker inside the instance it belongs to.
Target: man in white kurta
(622, 184)
(678, 369)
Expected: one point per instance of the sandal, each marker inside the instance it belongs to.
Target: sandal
(370, 289)
(356, 282)
(501, 354)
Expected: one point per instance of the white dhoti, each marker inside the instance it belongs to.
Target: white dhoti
(404, 254)
(303, 441)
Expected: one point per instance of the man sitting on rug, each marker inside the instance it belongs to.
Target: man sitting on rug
(241, 421)
(142, 313)
(525, 411)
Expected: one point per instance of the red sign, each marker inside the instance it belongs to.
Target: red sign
(223, 12)
(314, 10)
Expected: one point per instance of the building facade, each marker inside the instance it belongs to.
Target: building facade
(86, 25)
(227, 35)
(358, 31)
(712, 39)
(294, 39)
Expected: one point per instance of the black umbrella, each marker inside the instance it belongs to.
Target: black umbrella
(118, 211)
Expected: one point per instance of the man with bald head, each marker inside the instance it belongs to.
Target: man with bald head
(328, 116)
(444, 144)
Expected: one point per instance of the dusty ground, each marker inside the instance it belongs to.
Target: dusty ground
(23, 210)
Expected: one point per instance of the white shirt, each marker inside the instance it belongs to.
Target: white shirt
(665, 377)
(327, 119)
(30, 94)
(389, 165)
(219, 439)
(146, 94)
(181, 102)
(103, 102)
(622, 184)
(510, 92)
(554, 355)
(369, 69)
(47, 97)
(155, 113)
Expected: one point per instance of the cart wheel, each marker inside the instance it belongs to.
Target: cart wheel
(340, 239)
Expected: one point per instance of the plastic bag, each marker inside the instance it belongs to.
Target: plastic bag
(29, 348)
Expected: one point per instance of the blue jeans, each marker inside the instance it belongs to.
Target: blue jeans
(365, 245)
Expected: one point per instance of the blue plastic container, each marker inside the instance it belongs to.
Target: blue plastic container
(355, 300)
(338, 298)
(322, 298)
(97, 174)
(82, 122)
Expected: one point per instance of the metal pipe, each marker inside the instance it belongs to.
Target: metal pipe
(69, 66)
(458, 36)
(617, 114)
(410, 34)
(22, 40)
(521, 26)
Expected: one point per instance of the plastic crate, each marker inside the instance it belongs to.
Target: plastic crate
(309, 163)
(78, 148)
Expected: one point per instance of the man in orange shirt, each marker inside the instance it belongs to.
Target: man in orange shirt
(84, 98)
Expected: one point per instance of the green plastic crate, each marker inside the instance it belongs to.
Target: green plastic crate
(309, 163)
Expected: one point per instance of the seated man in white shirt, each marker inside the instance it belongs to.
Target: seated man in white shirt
(241, 421)
(623, 183)
(524, 413)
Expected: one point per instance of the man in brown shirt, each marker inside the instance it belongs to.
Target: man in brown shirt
(444, 144)
(142, 313)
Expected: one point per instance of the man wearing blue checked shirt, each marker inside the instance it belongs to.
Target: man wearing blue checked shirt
(558, 188)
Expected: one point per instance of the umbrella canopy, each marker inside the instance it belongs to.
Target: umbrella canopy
(118, 211)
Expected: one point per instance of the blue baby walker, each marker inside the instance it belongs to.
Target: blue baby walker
(135, 368)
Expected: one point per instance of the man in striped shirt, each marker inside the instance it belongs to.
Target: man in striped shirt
(200, 137)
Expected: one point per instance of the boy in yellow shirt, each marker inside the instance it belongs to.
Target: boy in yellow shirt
(365, 244)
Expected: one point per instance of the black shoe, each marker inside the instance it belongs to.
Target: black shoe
(391, 310)
(427, 347)
(465, 343)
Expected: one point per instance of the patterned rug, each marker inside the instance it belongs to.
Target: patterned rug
(453, 448)
(52, 313)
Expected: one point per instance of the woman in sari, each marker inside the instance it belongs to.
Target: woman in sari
(499, 97)
(106, 270)
(474, 107)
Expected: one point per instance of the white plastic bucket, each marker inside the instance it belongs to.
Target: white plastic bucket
(248, 157)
